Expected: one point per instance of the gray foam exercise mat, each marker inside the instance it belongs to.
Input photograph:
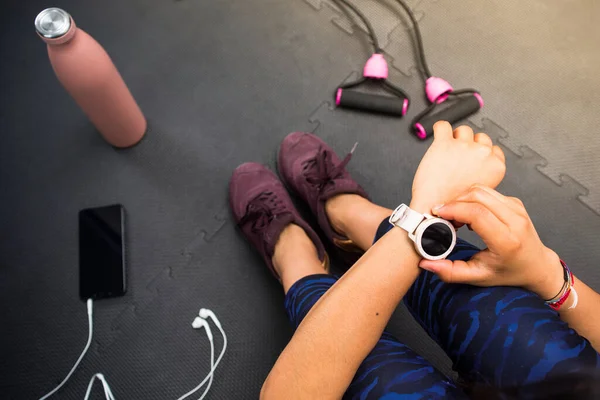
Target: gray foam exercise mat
(222, 83)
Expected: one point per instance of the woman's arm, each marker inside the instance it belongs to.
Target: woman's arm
(345, 324)
(585, 302)
(583, 318)
(515, 257)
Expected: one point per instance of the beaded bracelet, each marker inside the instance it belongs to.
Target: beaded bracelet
(557, 301)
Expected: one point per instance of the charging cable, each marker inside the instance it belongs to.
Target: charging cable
(199, 322)
(85, 349)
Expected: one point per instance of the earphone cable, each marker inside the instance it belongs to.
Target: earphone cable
(107, 392)
(215, 365)
(212, 371)
(212, 366)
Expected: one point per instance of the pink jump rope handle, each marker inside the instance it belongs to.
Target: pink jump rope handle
(376, 68)
(437, 91)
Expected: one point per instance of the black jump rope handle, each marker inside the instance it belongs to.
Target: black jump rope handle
(371, 102)
(460, 108)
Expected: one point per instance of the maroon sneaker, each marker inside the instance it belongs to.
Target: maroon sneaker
(311, 168)
(262, 208)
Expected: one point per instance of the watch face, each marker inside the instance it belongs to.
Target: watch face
(436, 239)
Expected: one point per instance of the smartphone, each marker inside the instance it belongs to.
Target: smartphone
(102, 252)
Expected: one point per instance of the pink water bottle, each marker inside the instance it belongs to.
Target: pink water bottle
(87, 72)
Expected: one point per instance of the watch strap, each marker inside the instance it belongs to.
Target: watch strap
(405, 218)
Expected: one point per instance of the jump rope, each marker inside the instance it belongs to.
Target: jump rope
(201, 321)
(458, 104)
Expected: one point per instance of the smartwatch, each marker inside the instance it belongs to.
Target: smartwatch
(434, 237)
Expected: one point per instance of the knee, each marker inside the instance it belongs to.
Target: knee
(530, 343)
(511, 337)
(552, 349)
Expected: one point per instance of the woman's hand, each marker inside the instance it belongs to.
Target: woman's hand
(515, 255)
(454, 162)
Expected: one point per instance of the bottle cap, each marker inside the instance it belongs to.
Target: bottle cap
(53, 23)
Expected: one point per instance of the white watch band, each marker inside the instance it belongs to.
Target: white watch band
(406, 218)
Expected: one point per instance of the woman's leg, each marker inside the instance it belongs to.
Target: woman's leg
(290, 248)
(356, 217)
(391, 369)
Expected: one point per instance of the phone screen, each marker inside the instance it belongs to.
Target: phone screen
(102, 252)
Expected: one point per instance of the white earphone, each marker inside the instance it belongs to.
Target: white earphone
(202, 323)
(199, 322)
(206, 313)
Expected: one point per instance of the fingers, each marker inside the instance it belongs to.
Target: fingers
(457, 225)
(459, 271)
(463, 132)
(484, 139)
(495, 202)
(499, 153)
(483, 221)
(442, 130)
(516, 202)
(513, 203)
(491, 191)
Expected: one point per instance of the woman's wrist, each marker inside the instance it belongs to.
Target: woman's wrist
(422, 206)
(403, 243)
(552, 277)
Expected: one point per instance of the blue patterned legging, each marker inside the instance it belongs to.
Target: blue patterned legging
(498, 336)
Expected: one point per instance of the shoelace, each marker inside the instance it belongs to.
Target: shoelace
(261, 210)
(321, 169)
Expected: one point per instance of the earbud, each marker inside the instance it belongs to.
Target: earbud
(199, 323)
(206, 313)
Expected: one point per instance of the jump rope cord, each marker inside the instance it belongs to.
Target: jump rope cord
(371, 32)
(421, 53)
(108, 392)
(365, 21)
(418, 39)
